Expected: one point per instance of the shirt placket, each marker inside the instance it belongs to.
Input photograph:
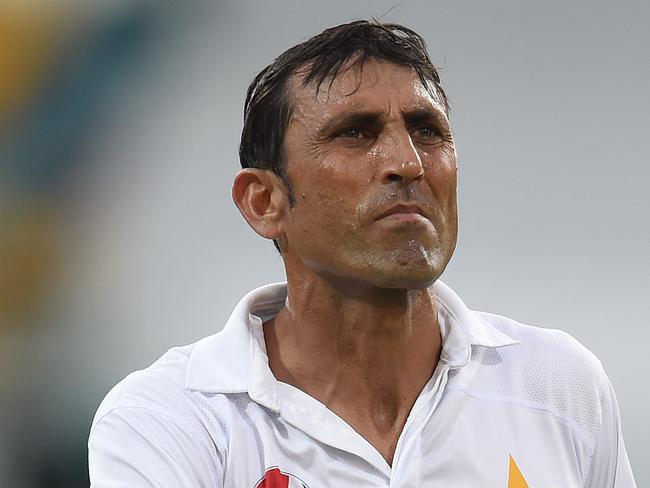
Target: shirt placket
(407, 457)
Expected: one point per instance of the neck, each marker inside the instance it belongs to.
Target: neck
(370, 352)
(372, 332)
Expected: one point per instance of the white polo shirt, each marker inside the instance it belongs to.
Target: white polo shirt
(508, 406)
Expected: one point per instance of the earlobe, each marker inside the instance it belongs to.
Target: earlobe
(262, 200)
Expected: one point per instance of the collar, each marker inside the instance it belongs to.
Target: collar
(462, 328)
(234, 360)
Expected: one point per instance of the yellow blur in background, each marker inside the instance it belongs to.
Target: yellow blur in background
(61, 64)
(31, 35)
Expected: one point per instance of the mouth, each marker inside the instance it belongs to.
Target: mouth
(403, 212)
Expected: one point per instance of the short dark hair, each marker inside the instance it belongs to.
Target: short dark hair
(268, 109)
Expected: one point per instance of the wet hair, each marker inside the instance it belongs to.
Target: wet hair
(268, 109)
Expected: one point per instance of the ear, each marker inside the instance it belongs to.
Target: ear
(262, 200)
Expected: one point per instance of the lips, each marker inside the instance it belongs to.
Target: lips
(402, 209)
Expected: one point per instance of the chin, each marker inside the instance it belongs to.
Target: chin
(407, 276)
(405, 269)
(413, 271)
(406, 284)
(412, 281)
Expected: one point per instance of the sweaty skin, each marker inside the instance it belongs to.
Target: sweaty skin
(372, 164)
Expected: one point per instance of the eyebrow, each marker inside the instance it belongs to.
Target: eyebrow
(424, 116)
(363, 119)
(374, 119)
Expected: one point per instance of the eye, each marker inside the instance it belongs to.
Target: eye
(352, 133)
(427, 133)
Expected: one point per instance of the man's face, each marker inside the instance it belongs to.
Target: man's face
(373, 168)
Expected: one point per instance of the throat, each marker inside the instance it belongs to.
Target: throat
(366, 366)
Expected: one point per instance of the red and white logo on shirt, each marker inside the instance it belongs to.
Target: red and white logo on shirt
(274, 478)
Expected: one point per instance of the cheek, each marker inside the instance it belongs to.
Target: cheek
(334, 185)
(442, 173)
(320, 206)
(326, 205)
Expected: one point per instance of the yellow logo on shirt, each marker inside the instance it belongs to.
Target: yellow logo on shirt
(515, 478)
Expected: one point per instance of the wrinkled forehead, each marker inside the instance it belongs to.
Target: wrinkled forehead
(355, 80)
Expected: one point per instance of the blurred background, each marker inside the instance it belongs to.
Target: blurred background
(119, 127)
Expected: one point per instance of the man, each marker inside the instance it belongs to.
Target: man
(364, 369)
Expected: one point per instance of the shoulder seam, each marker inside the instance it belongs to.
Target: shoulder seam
(173, 419)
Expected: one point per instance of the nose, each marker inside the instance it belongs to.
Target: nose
(403, 163)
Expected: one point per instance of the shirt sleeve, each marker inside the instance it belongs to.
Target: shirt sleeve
(138, 447)
(610, 467)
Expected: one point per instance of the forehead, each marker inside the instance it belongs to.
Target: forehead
(357, 86)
